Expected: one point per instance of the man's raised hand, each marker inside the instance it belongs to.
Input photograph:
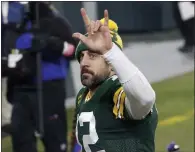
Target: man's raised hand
(98, 39)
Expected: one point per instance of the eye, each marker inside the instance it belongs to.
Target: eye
(92, 55)
(81, 57)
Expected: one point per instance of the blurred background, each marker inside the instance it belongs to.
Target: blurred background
(158, 38)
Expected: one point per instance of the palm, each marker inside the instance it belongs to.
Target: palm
(98, 39)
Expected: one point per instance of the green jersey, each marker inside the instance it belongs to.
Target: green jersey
(103, 124)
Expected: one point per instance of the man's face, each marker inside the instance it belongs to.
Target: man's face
(94, 69)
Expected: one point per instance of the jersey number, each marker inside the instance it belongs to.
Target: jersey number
(92, 137)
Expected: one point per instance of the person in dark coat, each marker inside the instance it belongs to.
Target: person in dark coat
(186, 28)
(51, 35)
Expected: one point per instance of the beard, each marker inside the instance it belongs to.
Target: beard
(92, 81)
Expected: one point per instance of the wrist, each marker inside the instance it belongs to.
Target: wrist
(107, 50)
(113, 49)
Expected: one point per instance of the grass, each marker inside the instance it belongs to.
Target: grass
(175, 99)
(175, 103)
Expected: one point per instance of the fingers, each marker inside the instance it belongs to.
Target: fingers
(106, 17)
(92, 27)
(81, 37)
(97, 25)
(86, 19)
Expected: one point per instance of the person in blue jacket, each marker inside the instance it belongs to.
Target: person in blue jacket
(52, 36)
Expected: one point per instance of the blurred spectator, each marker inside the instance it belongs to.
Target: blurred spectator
(186, 28)
(6, 108)
(53, 37)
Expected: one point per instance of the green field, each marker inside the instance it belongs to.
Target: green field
(175, 103)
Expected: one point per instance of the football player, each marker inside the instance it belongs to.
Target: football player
(116, 107)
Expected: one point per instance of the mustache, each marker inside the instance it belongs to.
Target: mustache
(85, 70)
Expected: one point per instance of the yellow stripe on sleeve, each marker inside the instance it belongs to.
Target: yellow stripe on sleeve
(119, 100)
(122, 102)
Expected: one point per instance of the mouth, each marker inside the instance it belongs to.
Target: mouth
(85, 71)
(86, 75)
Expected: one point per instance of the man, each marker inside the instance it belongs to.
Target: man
(186, 28)
(52, 37)
(116, 109)
(9, 16)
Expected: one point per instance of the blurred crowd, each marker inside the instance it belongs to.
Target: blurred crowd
(36, 53)
(37, 47)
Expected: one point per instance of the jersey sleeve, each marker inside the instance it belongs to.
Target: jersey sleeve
(119, 102)
(118, 96)
(79, 97)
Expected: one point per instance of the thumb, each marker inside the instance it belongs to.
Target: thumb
(81, 37)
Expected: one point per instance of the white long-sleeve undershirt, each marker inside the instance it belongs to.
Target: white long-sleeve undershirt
(140, 97)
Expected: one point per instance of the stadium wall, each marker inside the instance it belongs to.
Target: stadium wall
(131, 16)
